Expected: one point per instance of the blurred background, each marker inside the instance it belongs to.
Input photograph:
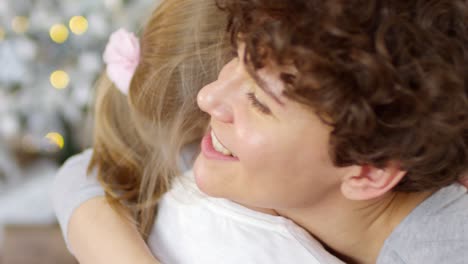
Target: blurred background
(50, 57)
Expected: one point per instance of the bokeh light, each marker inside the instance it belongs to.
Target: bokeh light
(56, 139)
(78, 25)
(59, 79)
(59, 33)
(20, 24)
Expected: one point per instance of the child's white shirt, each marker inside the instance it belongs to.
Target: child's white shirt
(192, 227)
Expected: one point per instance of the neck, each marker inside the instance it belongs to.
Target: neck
(356, 231)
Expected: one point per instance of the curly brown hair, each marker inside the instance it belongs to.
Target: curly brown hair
(390, 77)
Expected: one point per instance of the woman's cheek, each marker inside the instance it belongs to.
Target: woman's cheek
(255, 146)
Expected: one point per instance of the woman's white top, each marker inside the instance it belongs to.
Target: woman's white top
(192, 227)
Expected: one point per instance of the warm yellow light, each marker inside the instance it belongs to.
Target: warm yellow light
(58, 33)
(20, 24)
(78, 25)
(56, 139)
(2, 34)
(59, 79)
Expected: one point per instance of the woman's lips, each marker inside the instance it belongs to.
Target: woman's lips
(209, 151)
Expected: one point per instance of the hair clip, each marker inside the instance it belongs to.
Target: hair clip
(122, 55)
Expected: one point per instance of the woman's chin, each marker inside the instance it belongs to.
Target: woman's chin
(204, 177)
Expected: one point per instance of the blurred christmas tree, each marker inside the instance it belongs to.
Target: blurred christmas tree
(50, 57)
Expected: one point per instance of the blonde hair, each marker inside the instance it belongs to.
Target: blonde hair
(137, 139)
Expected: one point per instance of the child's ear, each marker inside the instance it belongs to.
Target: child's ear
(368, 182)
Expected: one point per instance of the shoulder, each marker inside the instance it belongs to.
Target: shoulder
(435, 232)
(79, 162)
(79, 159)
(72, 179)
(73, 186)
(194, 218)
(74, 169)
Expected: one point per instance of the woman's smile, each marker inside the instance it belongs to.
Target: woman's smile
(219, 146)
(213, 149)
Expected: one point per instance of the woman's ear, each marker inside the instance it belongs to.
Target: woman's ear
(367, 182)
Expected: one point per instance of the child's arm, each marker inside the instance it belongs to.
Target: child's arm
(97, 234)
(92, 229)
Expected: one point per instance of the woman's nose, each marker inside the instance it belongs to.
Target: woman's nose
(217, 98)
(212, 99)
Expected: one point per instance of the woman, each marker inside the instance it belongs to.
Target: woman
(358, 123)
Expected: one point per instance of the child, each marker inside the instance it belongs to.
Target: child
(143, 119)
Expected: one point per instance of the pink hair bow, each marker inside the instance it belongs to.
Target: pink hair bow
(122, 55)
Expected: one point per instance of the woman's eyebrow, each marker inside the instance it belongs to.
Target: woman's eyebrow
(262, 84)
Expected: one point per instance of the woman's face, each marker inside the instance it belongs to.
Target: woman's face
(280, 148)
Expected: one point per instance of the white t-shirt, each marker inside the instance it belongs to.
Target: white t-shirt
(192, 227)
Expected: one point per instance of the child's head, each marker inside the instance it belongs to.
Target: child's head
(372, 97)
(137, 138)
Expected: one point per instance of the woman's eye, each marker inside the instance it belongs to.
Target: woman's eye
(256, 104)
